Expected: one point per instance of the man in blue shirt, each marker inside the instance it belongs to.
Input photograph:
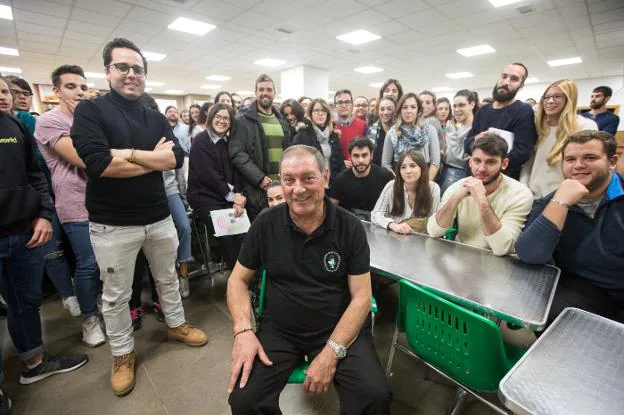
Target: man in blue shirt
(580, 226)
(607, 121)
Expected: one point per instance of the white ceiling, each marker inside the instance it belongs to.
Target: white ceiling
(419, 39)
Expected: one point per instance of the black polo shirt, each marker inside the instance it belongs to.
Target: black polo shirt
(307, 290)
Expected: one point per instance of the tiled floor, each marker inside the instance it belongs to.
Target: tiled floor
(175, 379)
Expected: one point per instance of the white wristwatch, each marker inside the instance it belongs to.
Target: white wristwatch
(341, 351)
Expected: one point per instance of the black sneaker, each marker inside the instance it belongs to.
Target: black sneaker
(157, 310)
(5, 404)
(51, 365)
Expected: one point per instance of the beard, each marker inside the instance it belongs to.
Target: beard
(503, 96)
(492, 178)
(265, 102)
(596, 104)
(361, 168)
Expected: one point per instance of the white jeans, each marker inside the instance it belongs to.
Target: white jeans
(116, 249)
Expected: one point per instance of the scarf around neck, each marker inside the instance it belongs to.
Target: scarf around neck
(323, 138)
(414, 138)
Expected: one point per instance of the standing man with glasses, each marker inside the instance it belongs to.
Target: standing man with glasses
(360, 108)
(348, 126)
(125, 147)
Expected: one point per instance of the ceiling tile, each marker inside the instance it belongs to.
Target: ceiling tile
(217, 9)
(37, 29)
(103, 19)
(42, 7)
(112, 7)
(23, 16)
(423, 20)
(400, 8)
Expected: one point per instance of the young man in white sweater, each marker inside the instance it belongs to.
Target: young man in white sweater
(491, 208)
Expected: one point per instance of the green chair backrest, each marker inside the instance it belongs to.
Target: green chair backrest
(464, 345)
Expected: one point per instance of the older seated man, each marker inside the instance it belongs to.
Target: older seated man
(580, 225)
(490, 207)
(318, 298)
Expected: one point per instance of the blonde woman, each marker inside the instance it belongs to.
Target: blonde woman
(411, 132)
(555, 120)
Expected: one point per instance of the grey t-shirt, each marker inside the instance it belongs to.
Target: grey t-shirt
(589, 206)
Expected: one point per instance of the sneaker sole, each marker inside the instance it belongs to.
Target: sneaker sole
(30, 381)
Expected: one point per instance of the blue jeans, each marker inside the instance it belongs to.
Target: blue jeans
(183, 227)
(55, 263)
(450, 175)
(21, 272)
(87, 273)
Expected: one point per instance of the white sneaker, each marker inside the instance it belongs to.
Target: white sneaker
(71, 304)
(185, 287)
(92, 333)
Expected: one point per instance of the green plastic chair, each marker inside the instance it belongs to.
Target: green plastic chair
(463, 345)
(298, 374)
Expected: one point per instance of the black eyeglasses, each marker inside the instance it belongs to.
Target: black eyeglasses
(17, 93)
(123, 68)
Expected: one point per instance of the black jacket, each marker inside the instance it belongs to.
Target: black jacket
(307, 136)
(210, 171)
(24, 192)
(249, 154)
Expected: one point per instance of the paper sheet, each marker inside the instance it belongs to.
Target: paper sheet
(225, 223)
(505, 135)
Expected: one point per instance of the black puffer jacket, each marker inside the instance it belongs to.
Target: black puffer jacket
(307, 136)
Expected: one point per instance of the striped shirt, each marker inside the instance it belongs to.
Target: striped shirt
(273, 138)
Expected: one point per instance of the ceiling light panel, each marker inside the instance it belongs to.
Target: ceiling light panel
(501, 3)
(173, 91)
(358, 37)
(476, 50)
(154, 83)
(9, 51)
(10, 69)
(442, 89)
(195, 27)
(459, 75)
(6, 12)
(376, 84)
(368, 69)
(566, 61)
(531, 80)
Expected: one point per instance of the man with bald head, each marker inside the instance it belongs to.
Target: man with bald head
(508, 118)
(318, 298)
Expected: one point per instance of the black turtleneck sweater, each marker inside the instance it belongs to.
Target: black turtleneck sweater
(114, 122)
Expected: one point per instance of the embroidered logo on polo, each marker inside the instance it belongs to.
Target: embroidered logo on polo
(331, 260)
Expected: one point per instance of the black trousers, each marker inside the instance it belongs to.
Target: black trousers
(580, 293)
(228, 245)
(359, 379)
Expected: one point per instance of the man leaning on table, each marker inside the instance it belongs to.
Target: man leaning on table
(490, 207)
(318, 299)
(580, 225)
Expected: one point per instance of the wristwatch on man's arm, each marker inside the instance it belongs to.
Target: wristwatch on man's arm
(339, 349)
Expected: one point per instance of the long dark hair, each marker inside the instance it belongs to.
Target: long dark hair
(203, 117)
(296, 107)
(424, 202)
(192, 123)
(385, 85)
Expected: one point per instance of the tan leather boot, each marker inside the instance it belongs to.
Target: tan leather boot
(188, 335)
(122, 374)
